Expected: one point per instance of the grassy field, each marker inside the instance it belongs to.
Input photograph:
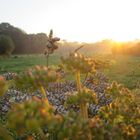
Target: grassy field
(124, 69)
(23, 62)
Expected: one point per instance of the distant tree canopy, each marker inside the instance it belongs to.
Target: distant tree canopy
(6, 45)
(24, 43)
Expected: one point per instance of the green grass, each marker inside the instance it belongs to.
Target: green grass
(24, 62)
(124, 69)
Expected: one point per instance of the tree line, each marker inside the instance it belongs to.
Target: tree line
(23, 43)
(19, 42)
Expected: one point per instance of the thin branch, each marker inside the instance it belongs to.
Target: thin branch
(47, 59)
(78, 48)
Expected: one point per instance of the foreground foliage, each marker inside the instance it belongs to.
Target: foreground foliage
(119, 120)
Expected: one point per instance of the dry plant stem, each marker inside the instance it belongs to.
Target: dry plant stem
(47, 59)
(83, 106)
(43, 137)
(84, 112)
(43, 92)
(78, 82)
(79, 48)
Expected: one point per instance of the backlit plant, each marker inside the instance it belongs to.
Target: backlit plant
(121, 118)
(36, 118)
(51, 45)
(32, 116)
(78, 64)
(37, 78)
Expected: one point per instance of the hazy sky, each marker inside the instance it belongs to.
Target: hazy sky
(75, 20)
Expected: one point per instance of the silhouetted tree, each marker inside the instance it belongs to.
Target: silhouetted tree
(6, 45)
(17, 35)
(24, 43)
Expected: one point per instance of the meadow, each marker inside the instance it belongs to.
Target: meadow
(124, 69)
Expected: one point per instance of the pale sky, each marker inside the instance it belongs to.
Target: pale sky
(75, 20)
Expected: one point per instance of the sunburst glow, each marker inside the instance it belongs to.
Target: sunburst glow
(76, 20)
